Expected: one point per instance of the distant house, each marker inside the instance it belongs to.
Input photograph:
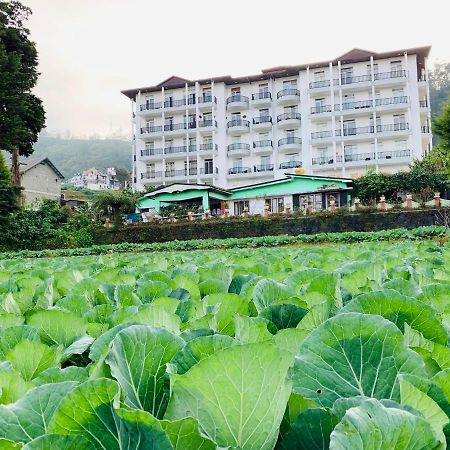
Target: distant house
(96, 180)
(40, 180)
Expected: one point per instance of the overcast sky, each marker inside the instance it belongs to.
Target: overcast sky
(91, 49)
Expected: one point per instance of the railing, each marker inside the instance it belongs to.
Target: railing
(286, 92)
(321, 109)
(424, 103)
(151, 175)
(264, 168)
(359, 157)
(262, 95)
(425, 129)
(238, 123)
(192, 147)
(237, 98)
(350, 79)
(208, 146)
(176, 103)
(387, 75)
(236, 170)
(289, 116)
(154, 129)
(391, 100)
(193, 171)
(319, 84)
(172, 150)
(151, 106)
(208, 170)
(207, 123)
(322, 160)
(290, 165)
(289, 140)
(393, 127)
(262, 119)
(238, 146)
(321, 134)
(175, 173)
(355, 131)
(179, 126)
(394, 154)
(206, 98)
(263, 143)
(363, 104)
(152, 151)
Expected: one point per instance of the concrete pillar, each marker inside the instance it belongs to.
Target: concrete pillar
(189, 216)
(266, 211)
(437, 199)
(409, 201)
(383, 203)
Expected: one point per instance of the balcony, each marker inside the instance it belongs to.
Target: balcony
(321, 109)
(206, 101)
(151, 130)
(354, 106)
(264, 168)
(397, 128)
(208, 148)
(394, 155)
(424, 104)
(207, 125)
(291, 143)
(208, 172)
(180, 174)
(389, 78)
(238, 149)
(151, 108)
(179, 128)
(425, 129)
(290, 165)
(262, 98)
(237, 102)
(288, 96)
(239, 172)
(262, 123)
(350, 79)
(236, 127)
(289, 120)
(322, 134)
(320, 84)
(358, 157)
(152, 153)
(152, 175)
(356, 131)
(322, 160)
(264, 146)
(400, 100)
(178, 151)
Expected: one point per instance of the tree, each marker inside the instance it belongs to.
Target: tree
(22, 115)
(122, 176)
(116, 203)
(8, 194)
(439, 79)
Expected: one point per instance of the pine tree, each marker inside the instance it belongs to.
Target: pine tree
(8, 194)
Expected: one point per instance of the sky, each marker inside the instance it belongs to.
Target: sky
(90, 50)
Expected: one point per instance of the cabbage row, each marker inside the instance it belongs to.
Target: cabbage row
(340, 347)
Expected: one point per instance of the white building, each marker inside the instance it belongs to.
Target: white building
(361, 111)
(96, 180)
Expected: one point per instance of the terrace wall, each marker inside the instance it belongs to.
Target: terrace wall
(275, 225)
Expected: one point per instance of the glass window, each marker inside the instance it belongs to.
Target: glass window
(239, 207)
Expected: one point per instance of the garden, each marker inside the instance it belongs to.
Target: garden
(340, 346)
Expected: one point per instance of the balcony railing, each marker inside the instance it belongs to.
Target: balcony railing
(321, 134)
(289, 140)
(151, 175)
(289, 116)
(288, 92)
(322, 160)
(321, 109)
(179, 102)
(179, 126)
(238, 146)
(355, 131)
(152, 151)
(319, 84)
(208, 147)
(237, 98)
(262, 119)
(192, 148)
(290, 165)
(206, 98)
(236, 170)
(359, 157)
(238, 123)
(178, 149)
(424, 103)
(154, 129)
(387, 75)
(393, 127)
(208, 170)
(391, 100)
(207, 123)
(425, 129)
(363, 104)
(262, 95)
(151, 106)
(176, 173)
(394, 154)
(350, 79)
(263, 143)
(264, 168)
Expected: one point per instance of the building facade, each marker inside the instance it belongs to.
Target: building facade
(340, 118)
(96, 180)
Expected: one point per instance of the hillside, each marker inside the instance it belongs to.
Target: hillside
(75, 155)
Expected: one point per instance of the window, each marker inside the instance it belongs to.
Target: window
(290, 109)
(263, 113)
(350, 152)
(237, 163)
(236, 116)
(346, 75)
(399, 119)
(347, 101)
(239, 207)
(276, 204)
(322, 152)
(208, 166)
(168, 101)
(191, 98)
(289, 84)
(401, 145)
(150, 168)
(192, 167)
(149, 145)
(207, 140)
(397, 92)
(319, 75)
(263, 136)
(191, 121)
(265, 161)
(150, 101)
(290, 133)
(150, 124)
(170, 168)
(349, 127)
(263, 87)
(169, 123)
(320, 102)
(369, 68)
(292, 157)
(378, 123)
(396, 68)
(207, 117)
(235, 91)
(313, 201)
(169, 143)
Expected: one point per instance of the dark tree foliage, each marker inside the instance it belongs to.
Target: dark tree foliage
(22, 115)
(8, 194)
(439, 79)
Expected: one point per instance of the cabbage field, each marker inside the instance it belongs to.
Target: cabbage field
(315, 347)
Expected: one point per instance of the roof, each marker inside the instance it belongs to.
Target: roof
(354, 55)
(181, 187)
(30, 163)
